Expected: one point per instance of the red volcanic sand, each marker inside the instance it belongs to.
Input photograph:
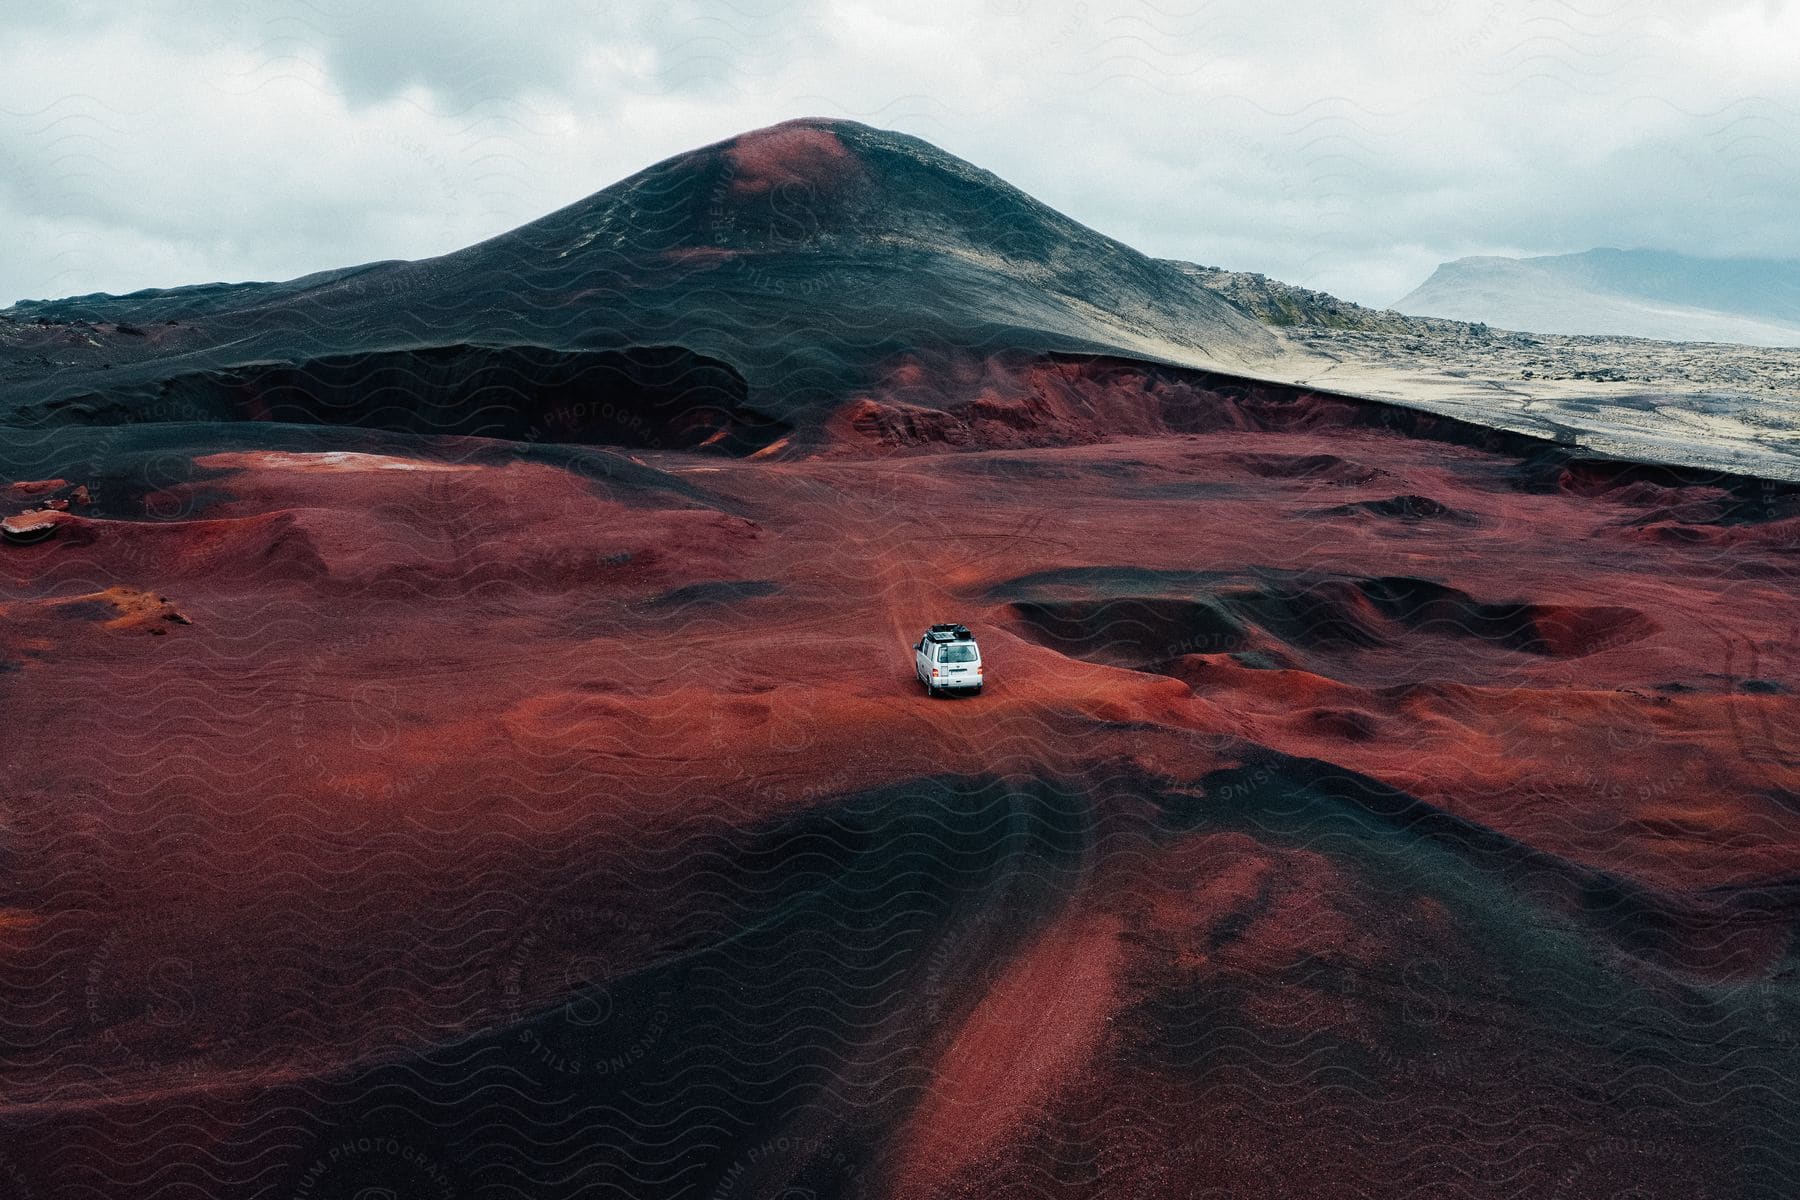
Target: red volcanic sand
(794, 154)
(1032, 1030)
(700, 256)
(316, 826)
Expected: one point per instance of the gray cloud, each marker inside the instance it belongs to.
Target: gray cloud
(1339, 146)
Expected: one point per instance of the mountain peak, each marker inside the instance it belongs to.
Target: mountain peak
(809, 153)
(818, 184)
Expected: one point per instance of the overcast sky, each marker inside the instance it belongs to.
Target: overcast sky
(1343, 145)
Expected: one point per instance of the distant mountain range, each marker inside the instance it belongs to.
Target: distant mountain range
(1633, 293)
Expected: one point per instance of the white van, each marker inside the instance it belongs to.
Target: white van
(947, 659)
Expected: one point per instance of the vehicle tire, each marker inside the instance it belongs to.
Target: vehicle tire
(931, 692)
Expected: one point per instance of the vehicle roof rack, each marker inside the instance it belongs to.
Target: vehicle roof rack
(950, 633)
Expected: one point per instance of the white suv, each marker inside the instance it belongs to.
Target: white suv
(947, 659)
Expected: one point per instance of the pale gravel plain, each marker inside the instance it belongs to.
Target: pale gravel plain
(1712, 405)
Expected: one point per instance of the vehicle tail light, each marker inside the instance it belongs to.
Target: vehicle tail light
(934, 672)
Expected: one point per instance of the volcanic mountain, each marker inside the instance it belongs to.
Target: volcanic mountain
(763, 279)
(462, 737)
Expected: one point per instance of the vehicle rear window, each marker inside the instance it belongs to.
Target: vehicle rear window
(958, 652)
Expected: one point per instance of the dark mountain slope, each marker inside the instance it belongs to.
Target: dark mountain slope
(800, 260)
